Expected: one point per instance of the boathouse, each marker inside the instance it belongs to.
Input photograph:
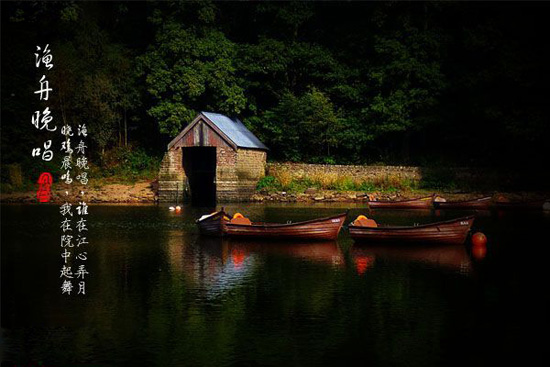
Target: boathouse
(215, 158)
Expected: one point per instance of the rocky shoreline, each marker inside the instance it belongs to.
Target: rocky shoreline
(146, 192)
(139, 192)
(314, 195)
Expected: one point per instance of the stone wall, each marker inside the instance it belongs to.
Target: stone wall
(367, 173)
(251, 164)
(172, 179)
(251, 167)
(237, 174)
(461, 178)
(226, 174)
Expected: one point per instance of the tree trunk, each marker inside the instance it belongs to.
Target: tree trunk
(125, 130)
(119, 134)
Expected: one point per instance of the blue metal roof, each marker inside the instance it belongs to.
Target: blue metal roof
(235, 130)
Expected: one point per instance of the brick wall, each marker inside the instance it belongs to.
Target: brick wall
(172, 179)
(226, 174)
(238, 174)
(251, 166)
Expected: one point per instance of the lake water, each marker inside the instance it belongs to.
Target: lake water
(158, 294)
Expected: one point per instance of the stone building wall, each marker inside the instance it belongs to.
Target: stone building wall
(251, 167)
(237, 173)
(172, 179)
(226, 174)
(251, 164)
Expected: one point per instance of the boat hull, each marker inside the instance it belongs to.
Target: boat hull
(419, 203)
(315, 230)
(453, 232)
(212, 225)
(476, 204)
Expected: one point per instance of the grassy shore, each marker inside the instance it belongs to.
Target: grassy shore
(283, 181)
(282, 185)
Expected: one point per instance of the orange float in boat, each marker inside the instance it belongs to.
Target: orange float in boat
(362, 221)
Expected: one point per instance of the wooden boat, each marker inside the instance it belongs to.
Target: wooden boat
(519, 205)
(212, 224)
(479, 204)
(447, 232)
(315, 229)
(418, 203)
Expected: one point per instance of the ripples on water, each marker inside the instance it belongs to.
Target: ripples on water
(160, 295)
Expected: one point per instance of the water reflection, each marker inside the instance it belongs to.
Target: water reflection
(446, 257)
(216, 265)
(363, 262)
(160, 295)
(320, 252)
(215, 268)
(479, 252)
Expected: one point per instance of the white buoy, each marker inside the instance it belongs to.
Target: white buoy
(171, 208)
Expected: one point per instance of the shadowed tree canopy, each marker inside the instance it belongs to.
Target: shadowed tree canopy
(189, 67)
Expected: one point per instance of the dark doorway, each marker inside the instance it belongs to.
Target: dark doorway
(199, 164)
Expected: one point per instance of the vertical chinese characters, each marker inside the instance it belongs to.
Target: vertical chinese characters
(73, 225)
(42, 119)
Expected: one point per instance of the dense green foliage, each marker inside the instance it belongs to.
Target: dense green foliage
(127, 164)
(399, 83)
(190, 67)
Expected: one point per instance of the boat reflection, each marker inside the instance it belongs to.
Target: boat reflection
(215, 268)
(319, 252)
(216, 265)
(363, 262)
(449, 257)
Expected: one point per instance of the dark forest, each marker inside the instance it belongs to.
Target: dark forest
(408, 83)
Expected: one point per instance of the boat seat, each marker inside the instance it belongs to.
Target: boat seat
(365, 223)
(240, 220)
